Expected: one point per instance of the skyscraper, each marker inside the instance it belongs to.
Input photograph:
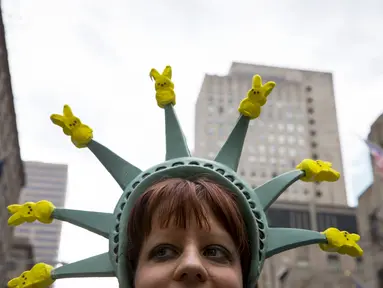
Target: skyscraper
(298, 121)
(370, 214)
(44, 181)
(11, 166)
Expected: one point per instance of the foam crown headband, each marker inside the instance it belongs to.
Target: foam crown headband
(264, 241)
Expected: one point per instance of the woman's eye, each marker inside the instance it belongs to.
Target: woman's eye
(217, 253)
(163, 252)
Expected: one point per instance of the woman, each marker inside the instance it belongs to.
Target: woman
(188, 232)
(186, 222)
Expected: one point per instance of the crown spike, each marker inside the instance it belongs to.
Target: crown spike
(96, 222)
(82, 136)
(96, 266)
(122, 171)
(283, 239)
(270, 191)
(230, 152)
(176, 145)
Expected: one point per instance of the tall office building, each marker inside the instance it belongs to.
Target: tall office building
(44, 181)
(298, 121)
(11, 166)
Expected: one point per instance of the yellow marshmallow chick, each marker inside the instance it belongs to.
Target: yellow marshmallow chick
(164, 86)
(256, 97)
(38, 277)
(342, 242)
(318, 171)
(81, 134)
(30, 211)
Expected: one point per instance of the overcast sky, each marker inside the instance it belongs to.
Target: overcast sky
(96, 55)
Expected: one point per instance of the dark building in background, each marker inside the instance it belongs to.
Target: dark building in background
(309, 266)
(299, 217)
(11, 166)
(370, 215)
(21, 257)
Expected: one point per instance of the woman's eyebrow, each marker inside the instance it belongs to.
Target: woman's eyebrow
(219, 236)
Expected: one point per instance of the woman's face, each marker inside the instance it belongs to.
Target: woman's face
(191, 257)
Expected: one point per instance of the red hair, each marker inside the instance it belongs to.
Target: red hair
(177, 200)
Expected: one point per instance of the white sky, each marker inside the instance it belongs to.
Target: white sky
(96, 56)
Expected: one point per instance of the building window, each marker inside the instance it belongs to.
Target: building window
(253, 174)
(299, 219)
(211, 131)
(221, 129)
(220, 110)
(374, 227)
(291, 139)
(310, 110)
(315, 156)
(292, 152)
(309, 100)
(313, 132)
(274, 174)
(318, 193)
(300, 128)
(333, 261)
(359, 263)
(309, 88)
(290, 127)
(251, 148)
(263, 175)
(301, 141)
(314, 144)
(311, 121)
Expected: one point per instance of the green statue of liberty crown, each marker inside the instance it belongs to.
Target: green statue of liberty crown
(264, 241)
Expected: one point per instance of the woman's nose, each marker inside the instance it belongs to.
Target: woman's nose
(190, 268)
